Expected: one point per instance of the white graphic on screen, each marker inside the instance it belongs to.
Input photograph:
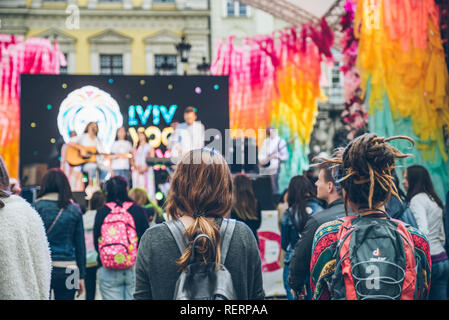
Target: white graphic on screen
(88, 104)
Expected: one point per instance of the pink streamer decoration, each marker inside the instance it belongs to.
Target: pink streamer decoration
(34, 56)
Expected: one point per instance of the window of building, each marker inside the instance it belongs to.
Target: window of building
(111, 64)
(236, 9)
(168, 1)
(165, 64)
(64, 69)
(106, 1)
(335, 80)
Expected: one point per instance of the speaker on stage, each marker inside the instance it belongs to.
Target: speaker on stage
(244, 155)
(32, 174)
(263, 190)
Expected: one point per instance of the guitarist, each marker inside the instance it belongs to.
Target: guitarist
(272, 152)
(90, 139)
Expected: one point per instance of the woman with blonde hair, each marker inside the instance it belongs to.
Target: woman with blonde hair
(154, 212)
(199, 198)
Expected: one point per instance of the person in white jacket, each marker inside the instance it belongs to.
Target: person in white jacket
(272, 153)
(25, 264)
(188, 135)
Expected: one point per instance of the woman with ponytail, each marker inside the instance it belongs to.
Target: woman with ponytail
(25, 266)
(200, 196)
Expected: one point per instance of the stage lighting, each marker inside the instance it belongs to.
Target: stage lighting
(159, 196)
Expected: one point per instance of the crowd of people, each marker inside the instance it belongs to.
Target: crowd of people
(349, 233)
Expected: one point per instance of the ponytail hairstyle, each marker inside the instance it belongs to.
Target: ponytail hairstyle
(201, 187)
(367, 163)
(4, 182)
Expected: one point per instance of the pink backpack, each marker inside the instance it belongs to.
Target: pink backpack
(118, 241)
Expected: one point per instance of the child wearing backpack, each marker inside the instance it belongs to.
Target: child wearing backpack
(118, 228)
(198, 254)
(369, 256)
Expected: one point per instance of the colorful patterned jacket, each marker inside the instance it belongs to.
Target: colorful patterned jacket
(322, 265)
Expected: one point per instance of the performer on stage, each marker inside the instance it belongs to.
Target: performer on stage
(188, 135)
(73, 173)
(143, 175)
(89, 139)
(271, 154)
(121, 155)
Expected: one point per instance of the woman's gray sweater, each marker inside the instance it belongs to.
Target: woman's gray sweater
(157, 272)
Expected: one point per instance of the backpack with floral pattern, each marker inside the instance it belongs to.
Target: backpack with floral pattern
(118, 241)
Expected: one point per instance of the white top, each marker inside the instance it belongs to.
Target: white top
(86, 141)
(429, 217)
(272, 145)
(89, 220)
(121, 146)
(187, 137)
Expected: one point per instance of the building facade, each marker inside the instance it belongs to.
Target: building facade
(232, 18)
(130, 37)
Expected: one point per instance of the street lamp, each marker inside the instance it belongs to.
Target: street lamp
(183, 49)
(204, 67)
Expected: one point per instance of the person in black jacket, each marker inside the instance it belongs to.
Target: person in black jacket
(329, 191)
(118, 284)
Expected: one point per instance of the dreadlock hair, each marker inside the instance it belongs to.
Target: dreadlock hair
(367, 163)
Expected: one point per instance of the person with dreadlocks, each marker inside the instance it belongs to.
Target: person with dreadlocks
(368, 255)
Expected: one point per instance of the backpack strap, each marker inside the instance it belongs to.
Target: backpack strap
(126, 205)
(110, 205)
(226, 232)
(177, 230)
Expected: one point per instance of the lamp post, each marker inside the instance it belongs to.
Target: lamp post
(183, 49)
(204, 67)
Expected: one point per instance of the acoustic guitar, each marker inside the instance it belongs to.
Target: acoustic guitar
(74, 157)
